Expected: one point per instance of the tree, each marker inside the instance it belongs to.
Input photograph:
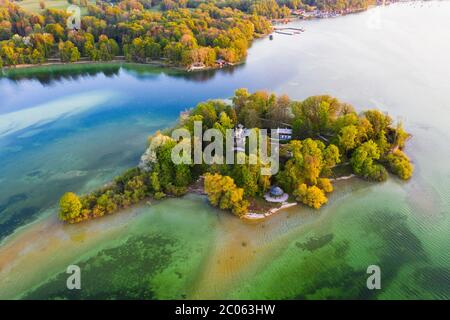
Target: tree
(313, 160)
(400, 136)
(363, 156)
(316, 115)
(135, 51)
(307, 163)
(331, 157)
(107, 48)
(380, 123)
(208, 112)
(90, 50)
(280, 112)
(74, 55)
(400, 165)
(223, 193)
(363, 164)
(348, 138)
(154, 182)
(325, 185)
(68, 52)
(37, 57)
(311, 196)
(69, 207)
(56, 30)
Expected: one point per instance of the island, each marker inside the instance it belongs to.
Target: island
(316, 141)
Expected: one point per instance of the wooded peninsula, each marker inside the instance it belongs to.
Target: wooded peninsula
(323, 138)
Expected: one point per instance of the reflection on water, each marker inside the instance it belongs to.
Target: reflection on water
(182, 248)
(48, 75)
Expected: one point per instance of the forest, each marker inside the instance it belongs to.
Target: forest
(179, 36)
(327, 134)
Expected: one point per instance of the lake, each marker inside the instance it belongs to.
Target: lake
(73, 128)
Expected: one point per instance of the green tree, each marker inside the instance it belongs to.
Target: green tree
(348, 138)
(363, 163)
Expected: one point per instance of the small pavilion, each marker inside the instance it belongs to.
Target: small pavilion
(276, 194)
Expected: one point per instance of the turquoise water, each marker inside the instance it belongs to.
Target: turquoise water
(75, 128)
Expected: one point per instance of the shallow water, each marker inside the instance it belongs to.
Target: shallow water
(76, 129)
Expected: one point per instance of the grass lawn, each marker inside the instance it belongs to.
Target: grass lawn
(33, 5)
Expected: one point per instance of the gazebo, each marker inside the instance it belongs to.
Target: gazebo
(276, 194)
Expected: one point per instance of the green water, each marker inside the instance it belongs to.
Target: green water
(74, 129)
(149, 260)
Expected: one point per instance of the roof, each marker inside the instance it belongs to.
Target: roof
(276, 191)
(283, 131)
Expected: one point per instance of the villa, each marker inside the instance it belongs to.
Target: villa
(284, 134)
(240, 133)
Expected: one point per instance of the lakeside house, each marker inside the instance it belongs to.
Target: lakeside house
(221, 63)
(284, 134)
(241, 133)
(321, 14)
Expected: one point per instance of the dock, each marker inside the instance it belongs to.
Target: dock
(289, 31)
(289, 28)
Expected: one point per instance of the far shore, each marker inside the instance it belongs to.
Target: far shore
(117, 60)
(163, 64)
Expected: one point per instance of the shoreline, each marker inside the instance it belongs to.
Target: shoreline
(258, 217)
(6, 69)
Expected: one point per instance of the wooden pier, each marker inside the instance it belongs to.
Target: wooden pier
(289, 31)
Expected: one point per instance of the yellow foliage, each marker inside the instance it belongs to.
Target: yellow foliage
(325, 185)
(223, 193)
(69, 207)
(311, 196)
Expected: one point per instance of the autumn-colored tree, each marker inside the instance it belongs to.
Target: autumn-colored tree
(69, 207)
(325, 185)
(223, 193)
(56, 30)
(68, 52)
(331, 157)
(311, 196)
(399, 164)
